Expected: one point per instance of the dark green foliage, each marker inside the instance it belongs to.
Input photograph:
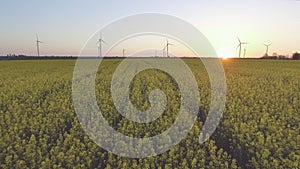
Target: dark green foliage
(296, 56)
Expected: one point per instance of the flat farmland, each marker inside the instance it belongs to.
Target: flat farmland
(259, 128)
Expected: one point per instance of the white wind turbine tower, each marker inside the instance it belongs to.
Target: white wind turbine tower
(38, 45)
(163, 51)
(267, 46)
(100, 41)
(167, 47)
(123, 52)
(240, 46)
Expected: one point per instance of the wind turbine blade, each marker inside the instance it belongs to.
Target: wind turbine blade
(239, 39)
(238, 46)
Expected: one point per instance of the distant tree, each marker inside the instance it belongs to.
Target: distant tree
(296, 56)
(275, 54)
(282, 57)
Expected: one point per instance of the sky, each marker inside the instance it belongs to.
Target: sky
(65, 26)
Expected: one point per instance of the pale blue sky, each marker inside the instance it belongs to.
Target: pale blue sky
(66, 25)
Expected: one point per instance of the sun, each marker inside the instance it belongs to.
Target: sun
(224, 53)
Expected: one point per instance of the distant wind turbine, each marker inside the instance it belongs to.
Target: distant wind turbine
(100, 41)
(267, 46)
(163, 51)
(123, 51)
(38, 45)
(167, 47)
(99, 50)
(240, 46)
(245, 52)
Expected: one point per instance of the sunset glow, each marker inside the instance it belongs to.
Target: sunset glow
(225, 53)
(220, 21)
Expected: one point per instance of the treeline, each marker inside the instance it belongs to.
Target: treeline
(295, 56)
(23, 57)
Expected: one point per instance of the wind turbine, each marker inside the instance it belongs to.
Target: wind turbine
(99, 50)
(123, 51)
(38, 45)
(267, 46)
(100, 41)
(240, 46)
(163, 51)
(245, 52)
(167, 47)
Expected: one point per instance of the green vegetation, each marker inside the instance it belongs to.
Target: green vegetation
(260, 126)
(296, 56)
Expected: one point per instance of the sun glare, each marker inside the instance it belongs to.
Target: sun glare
(224, 53)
